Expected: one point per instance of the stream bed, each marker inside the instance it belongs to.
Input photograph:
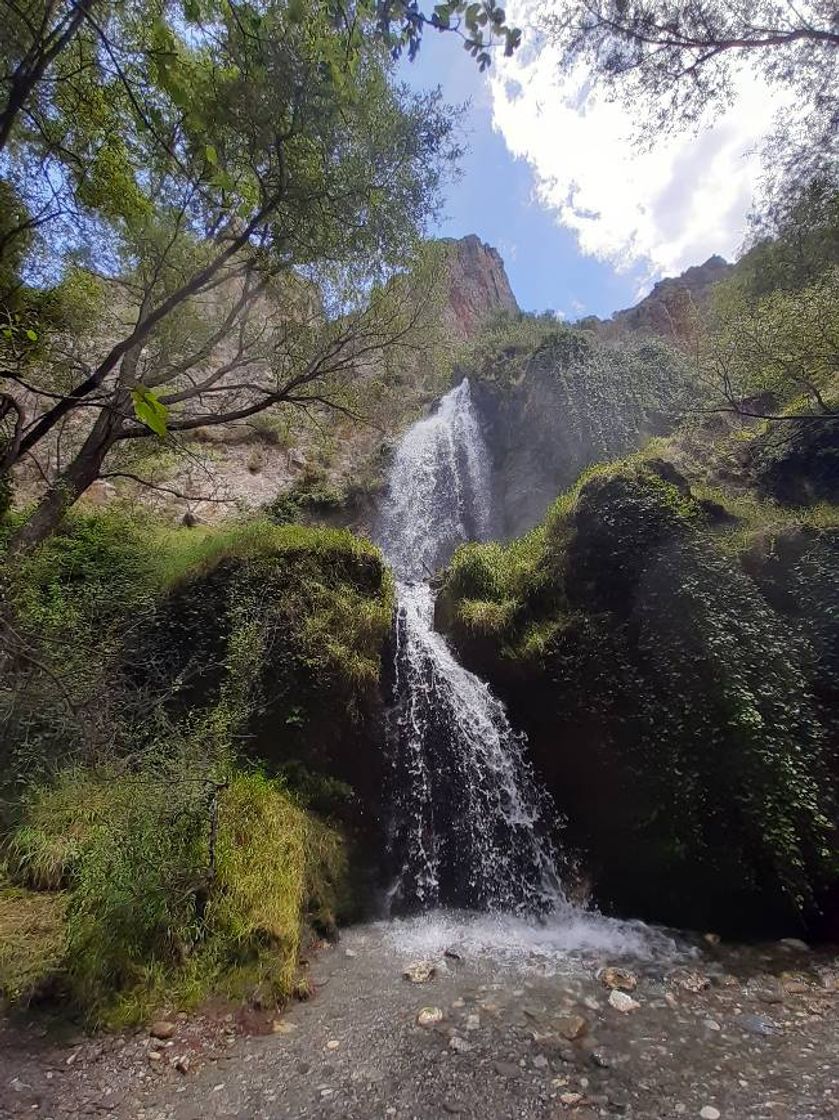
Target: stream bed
(517, 1027)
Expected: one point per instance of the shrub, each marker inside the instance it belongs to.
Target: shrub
(178, 884)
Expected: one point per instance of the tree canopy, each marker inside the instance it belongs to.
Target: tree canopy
(203, 205)
(680, 61)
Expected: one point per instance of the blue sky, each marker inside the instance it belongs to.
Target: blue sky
(584, 216)
(496, 198)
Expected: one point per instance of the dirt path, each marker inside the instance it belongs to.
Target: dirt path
(532, 1037)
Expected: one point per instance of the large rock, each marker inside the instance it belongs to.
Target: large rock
(668, 706)
(478, 287)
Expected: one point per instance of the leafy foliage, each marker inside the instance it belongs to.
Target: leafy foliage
(680, 62)
(782, 349)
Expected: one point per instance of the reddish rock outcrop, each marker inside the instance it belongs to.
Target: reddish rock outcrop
(478, 285)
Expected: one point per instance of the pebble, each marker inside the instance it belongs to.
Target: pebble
(795, 943)
(540, 1062)
(420, 972)
(689, 980)
(428, 1016)
(571, 1027)
(459, 1045)
(333, 1044)
(709, 1112)
(712, 1025)
(618, 979)
(622, 1002)
(570, 1098)
(162, 1029)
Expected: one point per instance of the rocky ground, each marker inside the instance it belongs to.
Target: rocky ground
(730, 1033)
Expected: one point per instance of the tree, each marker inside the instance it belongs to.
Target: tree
(794, 240)
(681, 60)
(775, 358)
(209, 171)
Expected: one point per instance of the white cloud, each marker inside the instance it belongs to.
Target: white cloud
(663, 209)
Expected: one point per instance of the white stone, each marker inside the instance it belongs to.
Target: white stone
(623, 1002)
(428, 1016)
(709, 1113)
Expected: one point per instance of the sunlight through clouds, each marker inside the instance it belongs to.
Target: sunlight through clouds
(663, 209)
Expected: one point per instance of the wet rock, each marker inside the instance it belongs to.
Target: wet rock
(712, 938)
(571, 1027)
(794, 983)
(618, 979)
(420, 972)
(689, 980)
(756, 1024)
(623, 1002)
(453, 955)
(429, 1016)
(162, 1029)
(794, 944)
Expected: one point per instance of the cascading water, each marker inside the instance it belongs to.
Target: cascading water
(470, 827)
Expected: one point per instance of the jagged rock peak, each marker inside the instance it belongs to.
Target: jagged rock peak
(478, 284)
(670, 307)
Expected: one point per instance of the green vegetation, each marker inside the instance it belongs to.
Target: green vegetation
(642, 656)
(173, 887)
(143, 664)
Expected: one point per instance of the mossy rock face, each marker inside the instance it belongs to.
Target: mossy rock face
(800, 464)
(672, 710)
(310, 629)
(554, 407)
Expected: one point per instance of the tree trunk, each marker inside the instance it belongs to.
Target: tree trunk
(75, 479)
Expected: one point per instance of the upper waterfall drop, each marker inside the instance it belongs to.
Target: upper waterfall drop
(470, 826)
(438, 489)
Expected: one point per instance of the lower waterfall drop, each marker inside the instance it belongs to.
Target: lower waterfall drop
(470, 827)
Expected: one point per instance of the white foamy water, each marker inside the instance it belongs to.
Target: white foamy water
(561, 941)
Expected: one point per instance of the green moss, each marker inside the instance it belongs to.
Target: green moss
(627, 632)
(152, 911)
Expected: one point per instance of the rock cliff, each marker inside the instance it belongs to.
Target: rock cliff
(477, 285)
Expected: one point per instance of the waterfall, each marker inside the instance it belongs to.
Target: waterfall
(470, 826)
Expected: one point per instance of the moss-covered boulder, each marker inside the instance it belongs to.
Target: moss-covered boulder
(671, 708)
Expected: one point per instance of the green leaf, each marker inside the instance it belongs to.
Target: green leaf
(211, 154)
(32, 335)
(149, 410)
